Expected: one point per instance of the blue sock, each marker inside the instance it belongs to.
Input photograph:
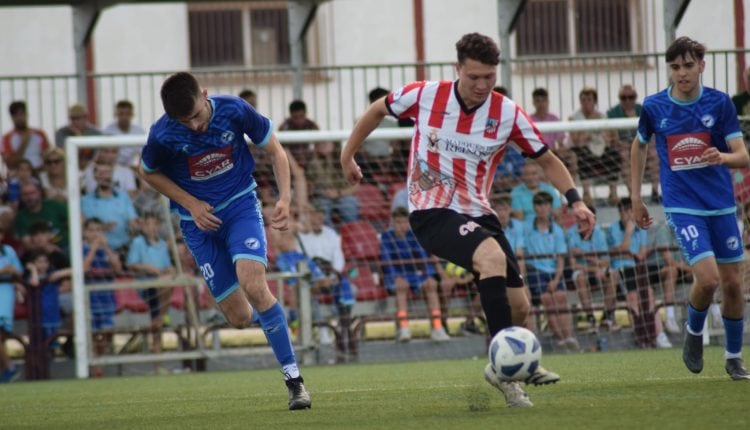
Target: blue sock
(733, 332)
(696, 320)
(274, 326)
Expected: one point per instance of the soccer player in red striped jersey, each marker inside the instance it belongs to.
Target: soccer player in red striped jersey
(462, 129)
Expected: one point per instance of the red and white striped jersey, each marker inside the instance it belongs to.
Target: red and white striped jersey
(455, 152)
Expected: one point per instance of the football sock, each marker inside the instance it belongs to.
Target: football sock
(733, 331)
(275, 328)
(494, 300)
(696, 320)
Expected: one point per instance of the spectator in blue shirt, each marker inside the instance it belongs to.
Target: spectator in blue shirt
(589, 267)
(406, 267)
(544, 274)
(523, 194)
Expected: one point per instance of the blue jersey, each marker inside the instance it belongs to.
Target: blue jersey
(214, 166)
(684, 130)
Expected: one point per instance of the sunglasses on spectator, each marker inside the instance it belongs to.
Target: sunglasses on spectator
(627, 97)
(53, 161)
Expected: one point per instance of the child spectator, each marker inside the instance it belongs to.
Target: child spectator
(405, 267)
(100, 264)
(41, 274)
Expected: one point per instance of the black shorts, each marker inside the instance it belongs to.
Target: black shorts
(454, 237)
(629, 278)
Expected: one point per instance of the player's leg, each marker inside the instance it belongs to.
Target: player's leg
(733, 311)
(400, 287)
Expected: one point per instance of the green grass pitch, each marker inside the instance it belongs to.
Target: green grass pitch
(633, 390)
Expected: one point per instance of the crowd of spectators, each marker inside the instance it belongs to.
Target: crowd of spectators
(125, 228)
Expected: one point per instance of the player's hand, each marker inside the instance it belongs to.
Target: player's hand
(585, 218)
(352, 171)
(202, 216)
(640, 214)
(712, 156)
(280, 216)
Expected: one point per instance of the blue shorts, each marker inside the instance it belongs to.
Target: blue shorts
(703, 236)
(241, 236)
(538, 281)
(415, 281)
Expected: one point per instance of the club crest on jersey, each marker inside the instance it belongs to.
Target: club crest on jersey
(708, 120)
(491, 126)
(252, 243)
(227, 136)
(207, 165)
(685, 150)
(433, 140)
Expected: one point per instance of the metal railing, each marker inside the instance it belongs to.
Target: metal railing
(337, 95)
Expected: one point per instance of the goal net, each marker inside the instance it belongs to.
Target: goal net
(357, 289)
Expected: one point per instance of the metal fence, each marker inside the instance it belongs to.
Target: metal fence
(337, 95)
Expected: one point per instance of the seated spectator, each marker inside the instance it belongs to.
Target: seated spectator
(665, 266)
(24, 173)
(78, 126)
(250, 97)
(148, 258)
(128, 155)
(53, 177)
(629, 245)
(589, 268)
(621, 140)
(406, 267)
(595, 158)
(10, 270)
(555, 140)
(23, 142)
(298, 121)
(111, 206)
(40, 273)
(330, 190)
(545, 274)
(522, 195)
(513, 229)
(100, 265)
(123, 177)
(34, 207)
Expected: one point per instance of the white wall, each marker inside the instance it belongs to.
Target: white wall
(36, 41)
(445, 21)
(142, 38)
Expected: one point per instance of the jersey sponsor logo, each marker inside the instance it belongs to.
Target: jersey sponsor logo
(685, 150)
(252, 243)
(733, 243)
(203, 167)
(227, 136)
(467, 228)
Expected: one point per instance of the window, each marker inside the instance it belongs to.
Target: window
(562, 27)
(239, 34)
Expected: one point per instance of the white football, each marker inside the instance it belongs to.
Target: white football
(515, 353)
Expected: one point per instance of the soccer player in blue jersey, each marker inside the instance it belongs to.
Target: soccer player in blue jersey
(698, 140)
(197, 156)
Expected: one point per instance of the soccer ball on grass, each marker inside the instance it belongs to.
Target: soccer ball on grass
(515, 353)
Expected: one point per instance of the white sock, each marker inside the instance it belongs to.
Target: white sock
(728, 355)
(290, 371)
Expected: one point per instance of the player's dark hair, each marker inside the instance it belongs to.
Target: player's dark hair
(17, 106)
(297, 106)
(540, 92)
(684, 46)
(478, 47)
(377, 93)
(125, 104)
(178, 94)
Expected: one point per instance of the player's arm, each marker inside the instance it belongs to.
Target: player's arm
(280, 216)
(561, 179)
(737, 157)
(366, 124)
(199, 210)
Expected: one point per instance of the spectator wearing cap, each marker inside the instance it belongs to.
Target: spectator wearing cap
(78, 126)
